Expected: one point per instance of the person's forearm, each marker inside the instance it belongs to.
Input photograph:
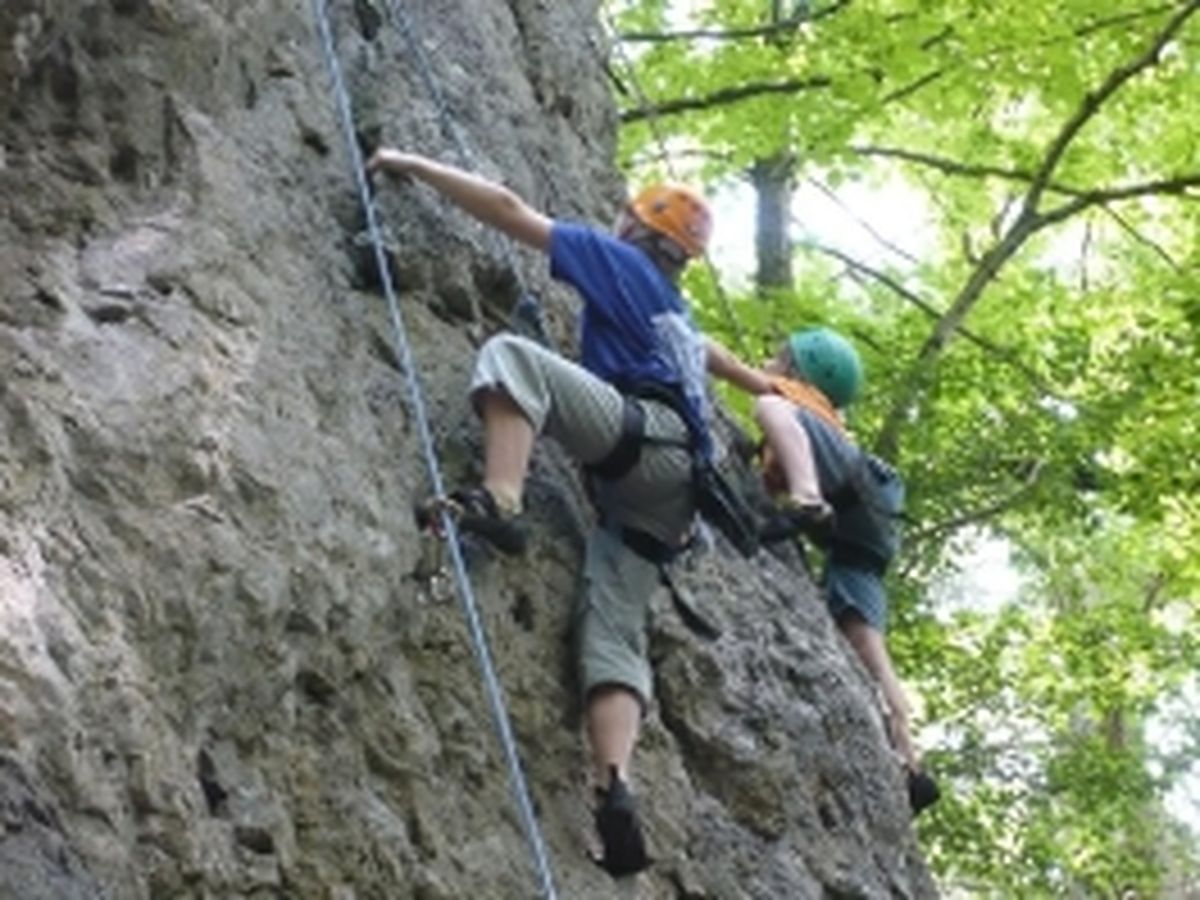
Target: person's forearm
(491, 203)
(726, 366)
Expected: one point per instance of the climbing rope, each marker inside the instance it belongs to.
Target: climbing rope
(527, 315)
(654, 122)
(491, 684)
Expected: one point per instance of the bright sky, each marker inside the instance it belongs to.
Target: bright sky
(894, 211)
(1184, 802)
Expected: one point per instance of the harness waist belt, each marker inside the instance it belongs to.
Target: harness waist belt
(628, 450)
(647, 546)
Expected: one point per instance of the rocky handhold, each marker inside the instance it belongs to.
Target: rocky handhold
(37, 860)
(254, 838)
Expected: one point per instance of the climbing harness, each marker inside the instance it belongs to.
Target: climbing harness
(716, 500)
(491, 684)
(527, 316)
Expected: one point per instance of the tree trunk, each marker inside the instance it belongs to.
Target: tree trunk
(774, 180)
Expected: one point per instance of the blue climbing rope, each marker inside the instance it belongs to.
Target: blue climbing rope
(491, 684)
(527, 315)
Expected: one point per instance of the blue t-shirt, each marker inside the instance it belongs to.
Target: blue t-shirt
(635, 327)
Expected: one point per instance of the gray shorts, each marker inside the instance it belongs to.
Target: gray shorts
(612, 616)
(853, 590)
(584, 414)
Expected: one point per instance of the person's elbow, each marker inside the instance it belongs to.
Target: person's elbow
(523, 223)
(716, 359)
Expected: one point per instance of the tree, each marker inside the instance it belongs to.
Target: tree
(1036, 372)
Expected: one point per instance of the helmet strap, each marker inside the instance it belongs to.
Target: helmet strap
(664, 252)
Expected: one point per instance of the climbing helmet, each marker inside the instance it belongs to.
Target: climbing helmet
(829, 362)
(676, 211)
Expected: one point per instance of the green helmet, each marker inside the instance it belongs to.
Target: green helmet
(829, 362)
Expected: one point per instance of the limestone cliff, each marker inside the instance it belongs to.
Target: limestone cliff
(224, 668)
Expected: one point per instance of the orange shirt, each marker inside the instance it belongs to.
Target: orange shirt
(805, 396)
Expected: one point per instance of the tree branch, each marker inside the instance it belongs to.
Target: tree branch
(1004, 354)
(1123, 19)
(951, 321)
(1177, 185)
(731, 34)
(975, 517)
(1082, 31)
(1027, 223)
(1084, 197)
(1129, 229)
(990, 263)
(875, 275)
(1093, 100)
(860, 222)
(957, 168)
(913, 86)
(725, 96)
(743, 92)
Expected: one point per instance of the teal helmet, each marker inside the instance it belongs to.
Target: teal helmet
(829, 362)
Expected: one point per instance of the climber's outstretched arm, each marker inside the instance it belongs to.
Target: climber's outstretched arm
(724, 365)
(491, 203)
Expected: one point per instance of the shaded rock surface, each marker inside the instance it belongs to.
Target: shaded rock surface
(225, 670)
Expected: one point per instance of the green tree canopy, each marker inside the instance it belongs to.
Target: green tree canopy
(1035, 372)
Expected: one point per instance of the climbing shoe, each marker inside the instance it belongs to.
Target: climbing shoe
(619, 828)
(814, 520)
(923, 791)
(476, 512)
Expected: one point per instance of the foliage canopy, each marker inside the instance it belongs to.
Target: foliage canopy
(1034, 371)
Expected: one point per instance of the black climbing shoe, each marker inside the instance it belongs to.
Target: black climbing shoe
(619, 828)
(476, 512)
(923, 791)
(815, 520)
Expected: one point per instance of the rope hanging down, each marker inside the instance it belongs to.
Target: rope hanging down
(527, 315)
(491, 684)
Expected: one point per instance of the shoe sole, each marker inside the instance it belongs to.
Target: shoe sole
(506, 538)
(501, 536)
(791, 524)
(624, 849)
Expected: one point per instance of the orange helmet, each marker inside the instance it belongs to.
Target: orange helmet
(676, 211)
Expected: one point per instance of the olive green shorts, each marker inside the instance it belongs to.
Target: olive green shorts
(613, 616)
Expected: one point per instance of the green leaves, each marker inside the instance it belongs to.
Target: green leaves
(1060, 686)
(1060, 415)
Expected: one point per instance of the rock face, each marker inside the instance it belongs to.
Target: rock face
(225, 667)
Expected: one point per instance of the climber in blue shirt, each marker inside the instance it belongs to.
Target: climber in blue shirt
(643, 361)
